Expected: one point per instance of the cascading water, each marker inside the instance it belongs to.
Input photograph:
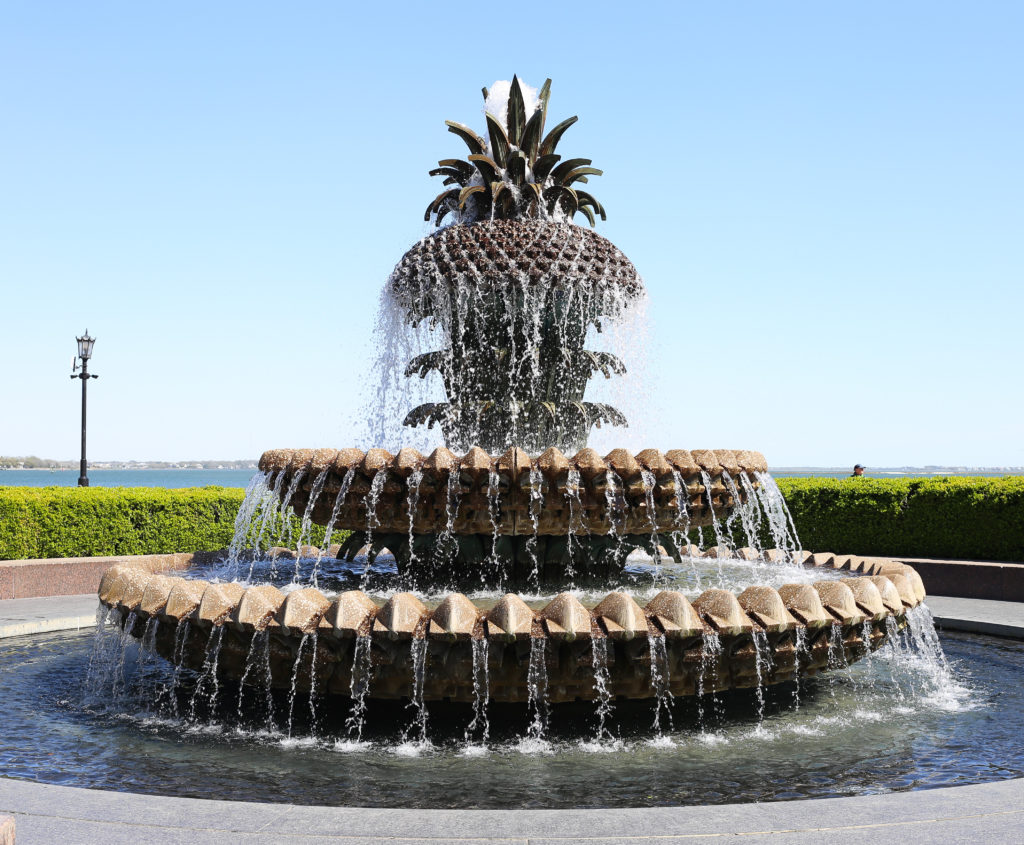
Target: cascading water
(537, 689)
(481, 692)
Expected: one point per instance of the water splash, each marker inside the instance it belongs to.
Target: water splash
(481, 691)
(306, 526)
(494, 513)
(602, 681)
(660, 680)
(372, 499)
(780, 521)
(652, 517)
(576, 524)
(295, 679)
(536, 506)
(723, 542)
(359, 686)
(537, 688)
(256, 495)
(710, 655)
(412, 502)
(181, 633)
(208, 674)
(763, 668)
(418, 658)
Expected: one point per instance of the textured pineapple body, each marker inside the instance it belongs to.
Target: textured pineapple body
(514, 300)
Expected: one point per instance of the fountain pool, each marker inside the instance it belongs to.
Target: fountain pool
(870, 730)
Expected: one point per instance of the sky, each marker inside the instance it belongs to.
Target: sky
(825, 201)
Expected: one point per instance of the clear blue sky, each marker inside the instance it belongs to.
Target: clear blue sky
(825, 201)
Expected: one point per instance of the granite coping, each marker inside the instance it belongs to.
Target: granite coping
(992, 812)
(970, 579)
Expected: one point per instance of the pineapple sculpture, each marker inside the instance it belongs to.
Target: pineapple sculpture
(514, 285)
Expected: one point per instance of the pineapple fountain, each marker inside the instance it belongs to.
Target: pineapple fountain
(516, 502)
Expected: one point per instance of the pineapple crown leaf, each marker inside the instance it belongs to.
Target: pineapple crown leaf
(515, 172)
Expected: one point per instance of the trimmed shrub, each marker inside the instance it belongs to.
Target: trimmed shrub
(970, 518)
(48, 522)
(953, 517)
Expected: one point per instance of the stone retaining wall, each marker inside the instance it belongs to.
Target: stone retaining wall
(73, 576)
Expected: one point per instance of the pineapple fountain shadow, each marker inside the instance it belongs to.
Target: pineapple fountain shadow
(516, 503)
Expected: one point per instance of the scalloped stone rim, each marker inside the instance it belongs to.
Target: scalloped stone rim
(861, 606)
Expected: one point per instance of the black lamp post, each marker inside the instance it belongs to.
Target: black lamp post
(85, 344)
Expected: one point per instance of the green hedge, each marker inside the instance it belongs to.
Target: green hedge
(47, 522)
(951, 517)
(971, 518)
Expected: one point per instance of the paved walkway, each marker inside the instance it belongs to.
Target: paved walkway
(979, 616)
(36, 616)
(45, 814)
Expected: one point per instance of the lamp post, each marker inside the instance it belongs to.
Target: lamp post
(85, 344)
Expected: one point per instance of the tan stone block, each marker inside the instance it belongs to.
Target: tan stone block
(400, 617)
(158, 589)
(654, 461)
(455, 618)
(728, 461)
(351, 614)
(302, 611)
(113, 584)
(589, 463)
(374, 461)
(707, 460)
(510, 618)
(184, 598)
(406, 462)
(258, 607)
(765, 606)
(888, 592)
(905, 587)
(722, 611)
(624, 464)
(219, 601)
(566, 618)
(804, 603)
(867, 597)
(683, 461)
(346, 459)
(675, 615)
(621, 616)
(441, 460)
(838, 599)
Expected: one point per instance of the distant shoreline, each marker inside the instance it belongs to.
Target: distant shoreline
(908, 470)
(106, 467)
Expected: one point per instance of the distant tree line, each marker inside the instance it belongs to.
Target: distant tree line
(32, 462)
